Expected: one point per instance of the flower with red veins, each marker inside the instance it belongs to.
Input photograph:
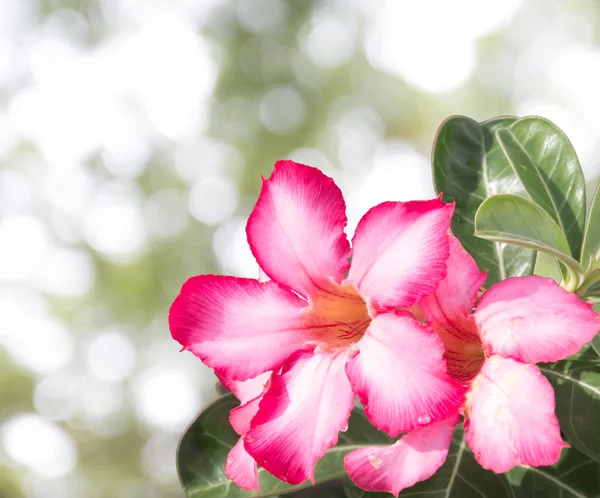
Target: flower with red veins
(491, 348)
(327, 329)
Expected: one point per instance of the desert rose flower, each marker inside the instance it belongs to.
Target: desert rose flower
(327, 329)
(508, 413)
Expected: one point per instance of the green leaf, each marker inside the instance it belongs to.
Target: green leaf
(547, 165)
(221, 389)
(576, 382)
(574, 476)
(204, 446)
(591, 240)
(460, 477)
(468, 167)
(596, 344)
(516, 220)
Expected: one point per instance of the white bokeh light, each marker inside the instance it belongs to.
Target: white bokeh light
(65, 272)
(398, 173)
(167, 67)
(166, 213)
(435, 53)
(114, 225)
(24, 240)
(100, 399)
(166, 397)
(331, 41)
(158, 458)
(38, 341)
(260, 16)
(55, 397)
(213, 200)
(282, 110)
(231, 248)
(40, 445)
(111, 356)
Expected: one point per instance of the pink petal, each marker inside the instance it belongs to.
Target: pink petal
(240, 327)
(399, 252)
(296, 230)
(511, 418)
(241, 416)
(414, 458)
(400, 375)
(448, 312)
(245, 390)
(533, 319)
(240, 467)
(300, 415)
(249, 392)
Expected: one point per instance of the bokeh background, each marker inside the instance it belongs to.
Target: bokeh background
(133, 134)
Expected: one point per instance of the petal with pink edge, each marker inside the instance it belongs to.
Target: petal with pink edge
(240, 327)
(400, 375)
(399, 252)
(246, 390)
(240, 467)
(296, 230)
(510, 417)
(241, 416)
(533, 319)
(448, 312)
(300, 415)
(414, 458)
(455, 296)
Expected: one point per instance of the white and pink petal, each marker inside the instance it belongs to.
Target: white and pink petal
(415, 457)
(400, 375)
(399, 252)
(300, 415)
(509, 417)
(296, 230)
(241, 468)
(533, 319)
(240, 327)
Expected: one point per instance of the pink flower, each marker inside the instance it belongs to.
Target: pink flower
(326, 329)
(509, 408)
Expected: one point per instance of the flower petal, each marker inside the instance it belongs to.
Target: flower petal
(300, 415)
(240, 327)
(240, 467)
(296, 230)
(448, 312)
(510, 417)
(415, 457)
(246, 390)
(533, 319)
(241, 417)
(400, 375)
(399, 252)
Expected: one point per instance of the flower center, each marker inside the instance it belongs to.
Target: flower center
(337, 316)
(464, 351)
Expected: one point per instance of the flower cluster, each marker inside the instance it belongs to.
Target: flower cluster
(394, 319)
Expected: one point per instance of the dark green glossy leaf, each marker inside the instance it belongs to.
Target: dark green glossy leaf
(515, 220)
(206, 442)
(574, 476)
(468, 167)
(576, 381)
(591, 240)
(546, 162)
